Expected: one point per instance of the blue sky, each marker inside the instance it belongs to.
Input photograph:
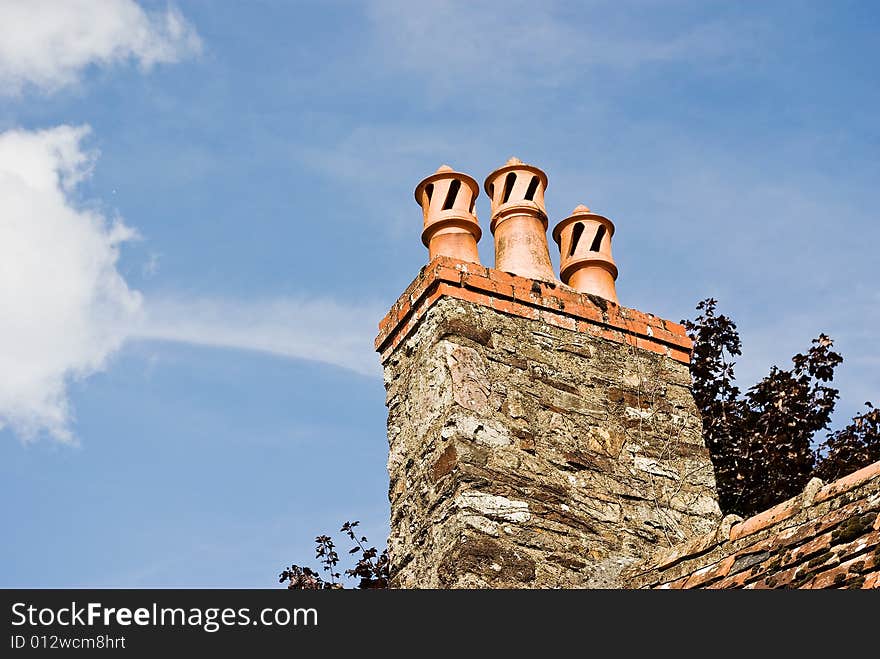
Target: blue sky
(206, 207)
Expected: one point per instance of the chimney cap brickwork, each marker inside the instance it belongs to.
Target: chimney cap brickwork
(528, 298)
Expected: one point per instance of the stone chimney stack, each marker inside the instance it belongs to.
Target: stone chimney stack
(519, 220)
(585, 262)
(540, 435)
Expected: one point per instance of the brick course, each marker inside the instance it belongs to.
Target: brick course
(553, 303)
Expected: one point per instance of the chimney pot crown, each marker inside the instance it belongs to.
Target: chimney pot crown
(519, 220)
(585, 261)
(451, 228)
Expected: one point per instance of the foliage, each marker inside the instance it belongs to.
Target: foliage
(371, 568)
(857, 445)
(761, 442)
(716, 343)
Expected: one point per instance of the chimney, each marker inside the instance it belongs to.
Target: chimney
(451, 229)
(585, 262)
(519, 220)
(539, 436)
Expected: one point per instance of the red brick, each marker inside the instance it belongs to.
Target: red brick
(384, 323)
(566, 322)
(681, 356)
(506, 306)
(501, 277)
(522, 290)
(681, 342)
(447, 273)
(472, 268)
(586, 311)
(487, 285)
(656, 324)
(614, 335)
(387, 343)
(468, 295)
(653, 346)
(675, 328)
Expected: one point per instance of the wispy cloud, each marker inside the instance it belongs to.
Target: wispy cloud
(321, 330)
(48, 44)
(453, 45)
(151, 265)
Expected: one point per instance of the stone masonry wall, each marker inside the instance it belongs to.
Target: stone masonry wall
(523, 454)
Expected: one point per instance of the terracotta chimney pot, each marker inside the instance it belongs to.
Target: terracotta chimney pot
(519, 220)
(451, 228)
(585, 261)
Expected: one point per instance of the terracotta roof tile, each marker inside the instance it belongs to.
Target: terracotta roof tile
(827, 537)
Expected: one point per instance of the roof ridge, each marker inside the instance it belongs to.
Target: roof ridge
(733, 527)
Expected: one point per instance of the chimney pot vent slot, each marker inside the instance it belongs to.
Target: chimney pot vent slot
(533, 188)
(576, 234)
(597, 239)
(509, 182)
(452, 194)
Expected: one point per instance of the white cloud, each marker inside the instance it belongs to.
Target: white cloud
(63, 305)
(65, 309)
(49, 43)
